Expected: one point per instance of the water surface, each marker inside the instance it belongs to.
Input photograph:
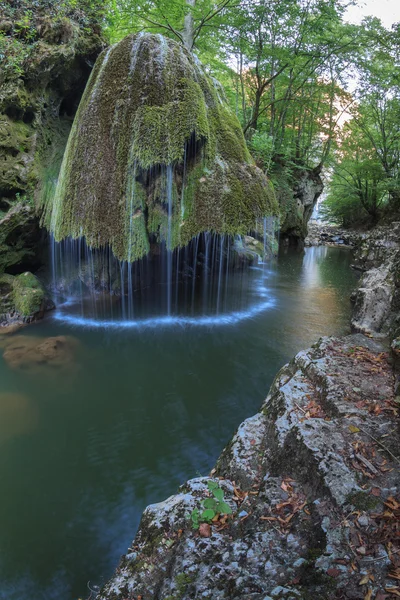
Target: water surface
(133, 412)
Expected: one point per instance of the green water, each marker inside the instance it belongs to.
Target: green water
(86, 446)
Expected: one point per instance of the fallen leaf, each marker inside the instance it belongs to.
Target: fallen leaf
(353, 429)
(333, 572)
(205, 530)
(364, 580)
(368, 595)
(393, 590)
(375, 492)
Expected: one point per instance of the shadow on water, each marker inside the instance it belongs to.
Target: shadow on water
(138, 410)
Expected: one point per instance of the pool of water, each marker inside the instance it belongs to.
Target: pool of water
(131, 412)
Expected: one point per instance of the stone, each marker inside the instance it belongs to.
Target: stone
(23, 299)
(377, 299)
(39, 93)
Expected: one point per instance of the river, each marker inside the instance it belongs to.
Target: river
(137, 410)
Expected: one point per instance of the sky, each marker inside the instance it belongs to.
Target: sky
(388, 11)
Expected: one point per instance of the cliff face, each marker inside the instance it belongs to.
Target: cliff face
(297, 190)
(47, 55)
(155, 155)
(377, 299)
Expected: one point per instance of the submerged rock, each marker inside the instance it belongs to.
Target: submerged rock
(23, 299)
(306, 486)
(155, 155)
(33, 353)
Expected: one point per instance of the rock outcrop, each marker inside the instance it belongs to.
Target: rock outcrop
(377, 300)
(297, 191)
(308, 480)
(155, 156)
(323, 234)
(23, 299)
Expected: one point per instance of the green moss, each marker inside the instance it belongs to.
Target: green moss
(182, 582)
(362, 501)
(28, 294)
(23, 294)
(160, 133)
(14, 246)
(149, 106)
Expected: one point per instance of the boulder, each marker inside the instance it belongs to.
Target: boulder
(23, 299)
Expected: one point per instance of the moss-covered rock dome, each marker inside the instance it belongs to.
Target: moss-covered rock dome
(155, 155)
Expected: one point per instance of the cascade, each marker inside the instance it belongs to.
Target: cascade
(157, 192)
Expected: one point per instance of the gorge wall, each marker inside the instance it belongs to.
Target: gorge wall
(47, 56)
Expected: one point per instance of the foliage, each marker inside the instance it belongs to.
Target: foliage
(262, 148)
(212, 507)
(366, 162)
(185, 21)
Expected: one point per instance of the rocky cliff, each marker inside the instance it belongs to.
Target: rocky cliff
(297, 189)
(377, 300)
(47, 53)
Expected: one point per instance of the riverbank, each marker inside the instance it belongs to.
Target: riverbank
(311, 480)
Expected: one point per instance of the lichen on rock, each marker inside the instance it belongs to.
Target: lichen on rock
(153, 138)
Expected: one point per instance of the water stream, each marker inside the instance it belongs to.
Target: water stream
(140, 405)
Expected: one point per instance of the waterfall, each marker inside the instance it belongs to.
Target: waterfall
(156, 192)
(169, 239)
(95, 286)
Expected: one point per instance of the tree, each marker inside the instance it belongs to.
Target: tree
(183, 20)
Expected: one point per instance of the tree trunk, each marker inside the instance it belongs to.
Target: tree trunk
(188, 27)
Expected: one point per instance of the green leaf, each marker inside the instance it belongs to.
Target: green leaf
(219, 494)
(208, 515)
(212, 485)
(195, 518)
(224, 509)
(210, 503)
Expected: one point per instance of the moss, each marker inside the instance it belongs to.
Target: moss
(16, 228)
(29, 294)
(362, 501)
(182, 582)
(150, 106)
(22, 294)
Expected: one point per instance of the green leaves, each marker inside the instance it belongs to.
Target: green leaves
(212, 506)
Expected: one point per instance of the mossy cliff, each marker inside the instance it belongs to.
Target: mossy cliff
(154, 155)
(297, 189)
(47, 50)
